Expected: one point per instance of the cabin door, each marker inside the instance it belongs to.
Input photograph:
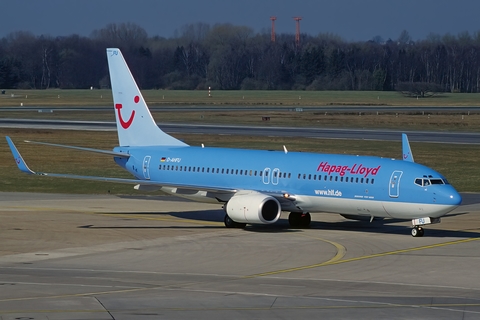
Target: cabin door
(146, 167)
(394, 185)
(266, 176)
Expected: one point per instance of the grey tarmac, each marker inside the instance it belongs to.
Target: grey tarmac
(158, 257)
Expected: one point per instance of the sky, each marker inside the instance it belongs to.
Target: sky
(353, 20)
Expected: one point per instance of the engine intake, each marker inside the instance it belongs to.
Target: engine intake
(254, 208)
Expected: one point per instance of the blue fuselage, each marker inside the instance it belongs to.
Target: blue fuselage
(364, 185)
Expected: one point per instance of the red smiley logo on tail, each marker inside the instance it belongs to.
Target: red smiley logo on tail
(126, 124)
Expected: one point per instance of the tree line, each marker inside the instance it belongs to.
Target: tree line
(228, 57)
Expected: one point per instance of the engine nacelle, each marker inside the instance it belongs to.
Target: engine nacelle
(254, 208)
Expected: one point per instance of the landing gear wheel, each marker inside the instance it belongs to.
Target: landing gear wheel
(305, 220)
(299, 219)
(417, 231)
(229, 223)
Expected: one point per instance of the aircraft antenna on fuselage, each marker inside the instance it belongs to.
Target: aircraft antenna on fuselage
(135, 124)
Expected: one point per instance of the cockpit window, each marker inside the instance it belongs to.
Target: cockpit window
(424, 182)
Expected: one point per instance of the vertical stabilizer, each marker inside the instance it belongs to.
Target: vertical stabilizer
(407, 152)
(135, 124)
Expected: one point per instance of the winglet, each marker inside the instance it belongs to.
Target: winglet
(407, 152)
(18, 158)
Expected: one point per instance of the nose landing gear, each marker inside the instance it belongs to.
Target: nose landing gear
(417, 231)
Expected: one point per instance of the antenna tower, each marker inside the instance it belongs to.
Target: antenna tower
(273, 18)
(297, 29)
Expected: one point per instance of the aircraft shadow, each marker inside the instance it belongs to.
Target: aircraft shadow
(385, 226)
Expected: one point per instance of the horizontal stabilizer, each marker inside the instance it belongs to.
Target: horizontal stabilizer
(112, 153)
(407, 151)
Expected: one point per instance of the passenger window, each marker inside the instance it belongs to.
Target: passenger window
(366, 181)
(309, 177)
(336, 178)
(372, 181)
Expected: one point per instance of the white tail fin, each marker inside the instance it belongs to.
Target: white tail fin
(135, 124)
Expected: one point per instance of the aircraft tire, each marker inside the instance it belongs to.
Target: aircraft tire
(229, 223)
(294, 219)
(305, 220)
(299, 219)
(417, 231)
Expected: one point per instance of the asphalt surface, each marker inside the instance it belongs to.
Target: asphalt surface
(110, 257)
(320, 133)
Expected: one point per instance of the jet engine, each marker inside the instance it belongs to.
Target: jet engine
(254, 208)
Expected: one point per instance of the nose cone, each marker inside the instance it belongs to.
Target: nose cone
(448, 199)
(454, 198)
(447, 195)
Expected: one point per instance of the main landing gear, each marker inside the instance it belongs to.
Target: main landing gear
(229, 223)
(299, 219)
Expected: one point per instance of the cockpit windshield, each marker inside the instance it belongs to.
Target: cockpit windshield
(424, 182)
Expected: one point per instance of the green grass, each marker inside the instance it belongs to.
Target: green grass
(459, 163)
(384, 120)
(57, 97)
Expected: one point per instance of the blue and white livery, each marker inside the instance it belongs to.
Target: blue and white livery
(255, 186)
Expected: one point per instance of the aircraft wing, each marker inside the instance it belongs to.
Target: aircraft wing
(22, 165)
(112, 153)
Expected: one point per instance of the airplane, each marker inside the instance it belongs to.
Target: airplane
(255, 186)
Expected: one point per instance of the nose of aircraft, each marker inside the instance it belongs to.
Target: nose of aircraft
(452, 197)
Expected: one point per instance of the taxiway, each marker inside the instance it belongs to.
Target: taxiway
(111, 257)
